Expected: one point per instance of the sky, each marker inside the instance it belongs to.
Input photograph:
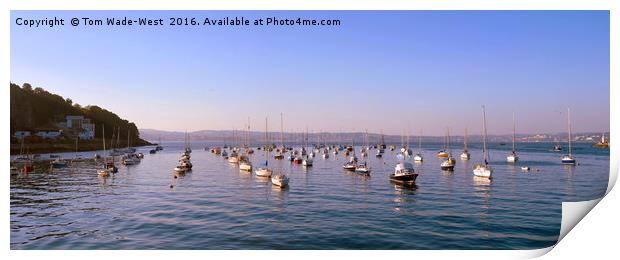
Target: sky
(389, 71)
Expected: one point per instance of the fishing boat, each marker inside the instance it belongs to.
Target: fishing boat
(265, 171)
(404, 173)
(512, 157)
(484, 169)
(465, 154)
(569, 158)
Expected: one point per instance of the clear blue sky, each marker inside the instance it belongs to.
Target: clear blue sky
(378, 70)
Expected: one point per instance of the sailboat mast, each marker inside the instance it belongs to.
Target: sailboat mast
(448, 139)
(465, 139)
(103, 136)
(420, 141)
(266, 143)
(514, 133)
(282, 130)
(484, 139)
(570, 151)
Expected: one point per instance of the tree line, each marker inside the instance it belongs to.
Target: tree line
(33, 108)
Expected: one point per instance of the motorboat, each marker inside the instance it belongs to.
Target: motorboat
(448, 164)
(362, 168)
(280, 180)
(349, 166)
(404, 173)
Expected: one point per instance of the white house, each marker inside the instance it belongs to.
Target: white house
(21, 134)
(48, 133)
(79, 122)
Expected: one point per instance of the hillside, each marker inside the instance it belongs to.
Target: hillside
(36, 108)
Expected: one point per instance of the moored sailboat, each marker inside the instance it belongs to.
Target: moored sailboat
(484, 169)
(569, 158)
(512, 157)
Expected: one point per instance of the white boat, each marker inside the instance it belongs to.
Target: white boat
(233, 158)
(448, 164)
(569, 158)
(263, 172)
(179, 169)
(404, 173)
(349, 166)
(307, 162)
(525, 168)
(512, 157)
(245, 166)
(484, 169)
(362, 168)
(280, 180)
(325, 155)
(104, 172)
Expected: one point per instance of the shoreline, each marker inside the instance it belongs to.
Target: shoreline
(64, 147)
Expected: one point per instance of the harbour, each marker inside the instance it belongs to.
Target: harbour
(217, 206)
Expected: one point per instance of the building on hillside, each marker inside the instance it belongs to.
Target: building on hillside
(22, 134)
(48, 133)
(80, 126)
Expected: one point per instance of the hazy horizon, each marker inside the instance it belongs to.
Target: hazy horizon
(380, 70)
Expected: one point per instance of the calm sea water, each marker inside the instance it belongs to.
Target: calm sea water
(217, 207)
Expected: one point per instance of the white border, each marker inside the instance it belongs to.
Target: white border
(595, 230)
